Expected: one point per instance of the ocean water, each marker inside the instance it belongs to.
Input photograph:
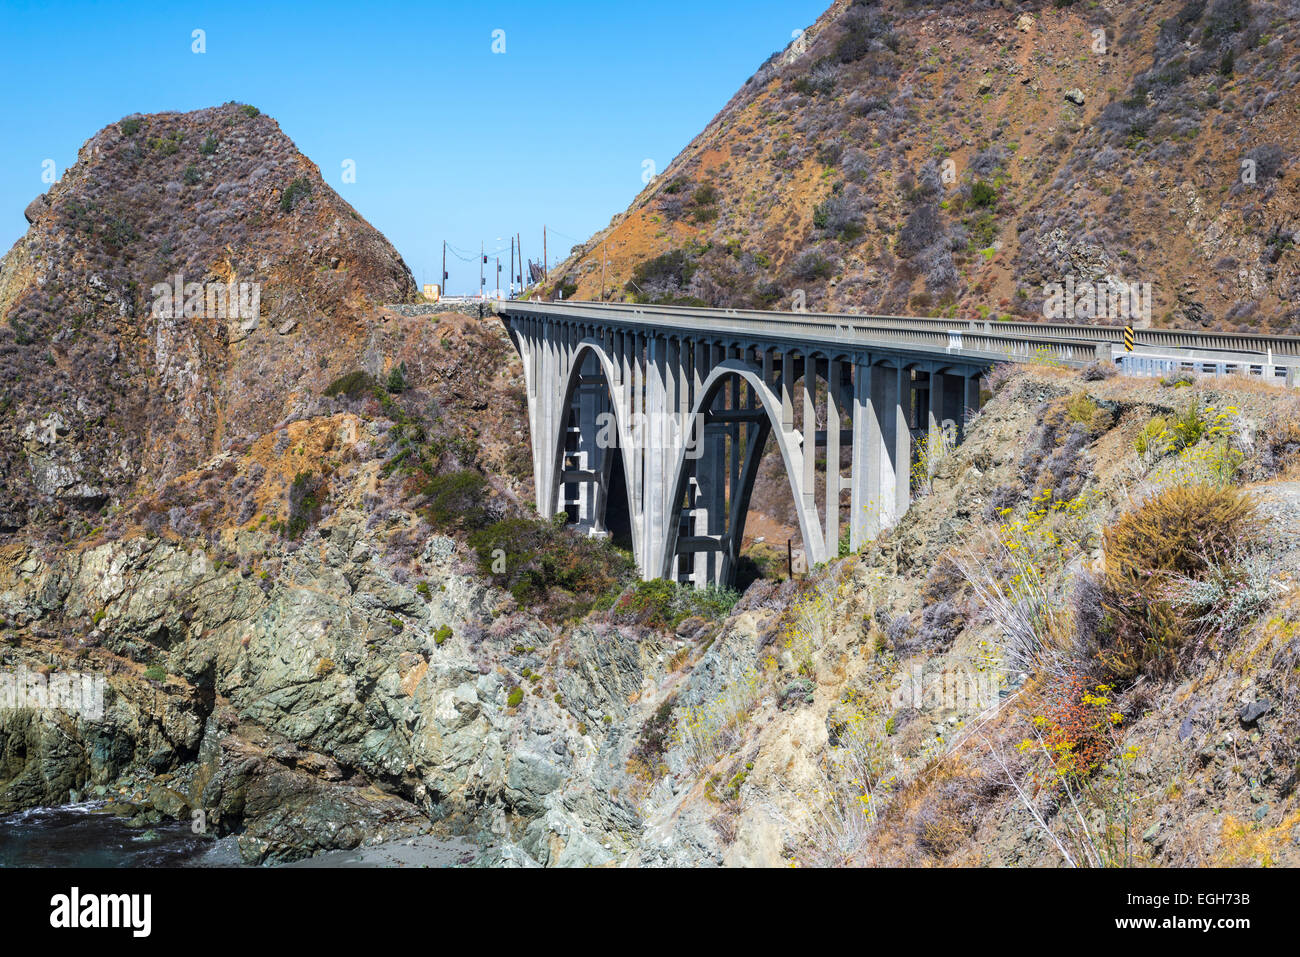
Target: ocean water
(84, 835)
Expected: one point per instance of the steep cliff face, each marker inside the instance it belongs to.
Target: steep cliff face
(109, 387)
(965, 690)
(192, 490)
(953, 158)
(364, 682)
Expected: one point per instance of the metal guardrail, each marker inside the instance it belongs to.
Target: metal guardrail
(1280, 372)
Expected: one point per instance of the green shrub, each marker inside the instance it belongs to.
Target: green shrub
(396, 383)
(129, 127)
(422, 589)
(673, 268)
(515, 698)
(654, 739)
(982, 230)
(167, 145)
(648, 603)
(705, 195)
(155, 673)
(249, 110)
(983, 195)
(119, 233)
(544, 565)
(664, 605)
(294, 193)
(457, 500)
(441, 635)
(304, 503)
(1152, 441)
(1188, 427)
(208, 146)
(353, 385)
(191, 176)
(1080, 408)
(811, 264)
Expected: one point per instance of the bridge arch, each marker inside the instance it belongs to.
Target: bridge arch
(725, 537)
(595, 451)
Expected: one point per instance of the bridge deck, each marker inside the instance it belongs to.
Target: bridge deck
(990, 341)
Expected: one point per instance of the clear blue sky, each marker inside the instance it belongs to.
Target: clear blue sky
(450, 140)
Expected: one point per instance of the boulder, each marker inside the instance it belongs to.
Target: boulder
(36, 208)
(1250, 713)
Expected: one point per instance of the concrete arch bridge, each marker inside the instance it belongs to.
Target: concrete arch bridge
(662, 414)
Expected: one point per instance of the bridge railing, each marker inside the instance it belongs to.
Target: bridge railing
(848, 333)
(1167, 338)
(1211, 354)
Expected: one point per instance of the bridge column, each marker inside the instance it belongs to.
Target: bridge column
(810, 437)
(833, 400)
(656, 461)
(636, 460)
(547, 427)
(868, 453)
(971, 403)
(787, 387)
(954, 404)
(895, 396)
(733, 430)
(903, 445)
(934, 417)
(671, 432)
(529, 351)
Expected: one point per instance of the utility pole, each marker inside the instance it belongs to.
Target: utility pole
(498, 289)
(519, 241)
(482, 256)
(442, 286)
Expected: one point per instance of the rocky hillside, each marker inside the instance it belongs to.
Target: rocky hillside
(299, 555)
(104, 395)
(952, 158)
(949, 695)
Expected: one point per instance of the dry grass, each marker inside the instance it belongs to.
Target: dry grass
(1247, 844)
(1175, 534)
